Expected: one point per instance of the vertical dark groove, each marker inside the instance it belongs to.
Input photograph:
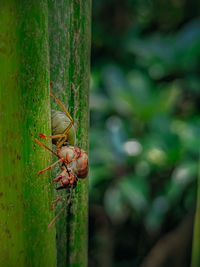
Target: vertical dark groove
(68, 236)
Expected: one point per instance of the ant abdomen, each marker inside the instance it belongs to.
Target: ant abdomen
(59, 122)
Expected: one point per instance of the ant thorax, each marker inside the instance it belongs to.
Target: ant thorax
(68, 154)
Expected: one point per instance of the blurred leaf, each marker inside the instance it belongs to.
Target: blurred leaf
(183, 175)
(156, 213)
(114, 205)
(135, 192)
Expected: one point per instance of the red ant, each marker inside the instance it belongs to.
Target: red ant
(72, 160)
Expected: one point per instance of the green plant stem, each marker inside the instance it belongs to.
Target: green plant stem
(196, 234)
(69, 39)
(24, 113)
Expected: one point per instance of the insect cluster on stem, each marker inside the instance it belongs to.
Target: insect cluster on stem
(73, 161)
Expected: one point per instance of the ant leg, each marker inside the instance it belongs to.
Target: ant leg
(61, 210)
(57, 179)
(55, 201)
(47, 148)
(52, 136)
(56, 217)
(52, 153)
(51, 166)
(61, 141)
(63, 108)
(60, 159)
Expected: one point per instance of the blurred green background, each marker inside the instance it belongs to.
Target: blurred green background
(144, 135)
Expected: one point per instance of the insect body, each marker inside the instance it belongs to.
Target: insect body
(62, 126)
(72, 160)
(66, 179)
(59, 123)
(76, 159)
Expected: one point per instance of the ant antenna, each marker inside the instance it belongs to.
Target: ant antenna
(61, 210)
(56, 217)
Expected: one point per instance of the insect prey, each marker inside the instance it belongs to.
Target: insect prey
(72, 160)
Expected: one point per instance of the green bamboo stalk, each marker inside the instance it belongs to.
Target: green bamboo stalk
(196, 234)
(58, 47)
(69, 39)
(24, 113)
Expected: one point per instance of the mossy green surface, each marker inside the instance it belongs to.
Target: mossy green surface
(69, 40)
(195, 262)
(24, 113)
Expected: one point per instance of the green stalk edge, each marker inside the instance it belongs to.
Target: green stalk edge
(195, 262)
(69, 41)
(24, 113)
